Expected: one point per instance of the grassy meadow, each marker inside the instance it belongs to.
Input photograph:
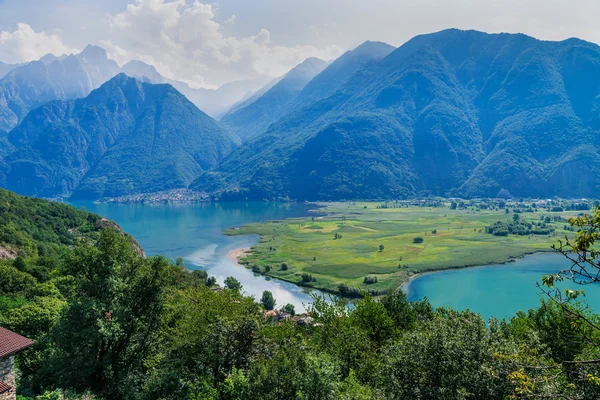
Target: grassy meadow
(450, 239)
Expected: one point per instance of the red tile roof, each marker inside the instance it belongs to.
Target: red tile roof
(4, 387)
(11, 343)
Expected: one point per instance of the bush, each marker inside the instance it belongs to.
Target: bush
(433, 232)
(347, 291)
(284, 267)
(256, 269)
(306, 278)
(418, 240)
(369, 280)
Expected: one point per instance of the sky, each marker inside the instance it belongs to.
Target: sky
(207, 44)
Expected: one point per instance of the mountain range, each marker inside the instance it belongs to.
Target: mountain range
(214, 102)
(125, 137)
(308, 82)
(51, 78)
(26, 86)
(450, 113)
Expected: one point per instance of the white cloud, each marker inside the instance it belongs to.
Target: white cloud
(24, 44)
(183, 41)
(230, 20)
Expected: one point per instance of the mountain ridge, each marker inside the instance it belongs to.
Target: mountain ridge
(126, 137)
(460, 102)
(256, 116)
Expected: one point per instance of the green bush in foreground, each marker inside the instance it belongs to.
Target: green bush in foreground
(119, 326)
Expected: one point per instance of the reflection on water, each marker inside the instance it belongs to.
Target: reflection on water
(194, 232)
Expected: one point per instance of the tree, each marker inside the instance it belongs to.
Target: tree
(267, 300)
(516, 217)
(179, 262)
(118, 311)
(580, 326)
(211, 281)
(233, 284)
(440, 360)
(381, 247)
(418, 240)
(289, 308)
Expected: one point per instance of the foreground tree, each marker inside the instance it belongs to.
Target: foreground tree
(576, 347)
(113, 324)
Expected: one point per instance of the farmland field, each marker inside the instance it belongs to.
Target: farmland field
(346, 242)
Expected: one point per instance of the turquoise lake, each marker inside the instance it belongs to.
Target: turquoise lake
(194, 232)
(495, 290)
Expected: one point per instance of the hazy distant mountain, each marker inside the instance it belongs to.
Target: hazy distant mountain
(24, 87)
(322, 85)
(6, 68)
(125, 137)
(454, 112)
(340, 70)
(142, 71)
(50, 58)
(256, 117)
(97, 65)
(251, 99)
(216, 102)
(52, 78)
(213, 102)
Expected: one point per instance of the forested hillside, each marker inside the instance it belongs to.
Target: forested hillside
(126, 137)
(111, 324)
(450, 113)
(256, 116)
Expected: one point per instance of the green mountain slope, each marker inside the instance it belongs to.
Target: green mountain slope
(32, 227)
(455, 112)
(253, 119)
(126, 137)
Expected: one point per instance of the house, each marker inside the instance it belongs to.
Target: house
(10, 344)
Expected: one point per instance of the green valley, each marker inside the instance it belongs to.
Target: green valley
(378, 246)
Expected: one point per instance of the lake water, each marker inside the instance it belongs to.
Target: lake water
(495, 290)
(194, 232)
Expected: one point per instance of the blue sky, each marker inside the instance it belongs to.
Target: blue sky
(210, 43)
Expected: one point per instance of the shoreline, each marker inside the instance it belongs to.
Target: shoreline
(236, 254)
(405, 287)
